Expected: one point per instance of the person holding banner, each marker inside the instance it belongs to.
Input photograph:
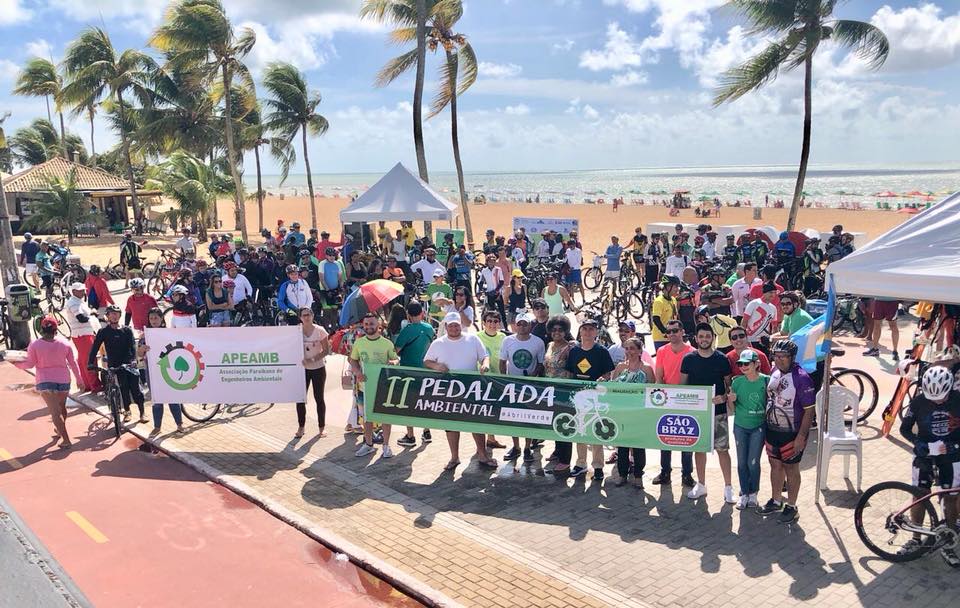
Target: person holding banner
(522, 355)
(155, 320)
(316, 347)
(669, 359)
(372, 347)
(412, 343)
(634, 370)
(748, 398)
(459, 351)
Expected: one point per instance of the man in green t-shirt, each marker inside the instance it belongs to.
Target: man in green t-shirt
(412, 343)
(748, 398)
(438, 286)
(794, 316)
(491, 337)
(371, 348)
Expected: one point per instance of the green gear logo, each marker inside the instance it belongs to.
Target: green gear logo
(181, 366)
(522, 358)
(658, 397)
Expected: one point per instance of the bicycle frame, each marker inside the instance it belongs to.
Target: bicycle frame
(898, 518)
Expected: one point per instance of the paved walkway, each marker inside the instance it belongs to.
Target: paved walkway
(518, 537)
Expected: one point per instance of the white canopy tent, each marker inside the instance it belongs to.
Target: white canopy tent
(398, 196)
(919, 259)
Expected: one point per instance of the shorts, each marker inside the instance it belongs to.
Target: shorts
(183, 321)
(943, 471)
(883, 310)
(53, 387)
(30, 268)
(721, 432)
(611, 274)
(780, 446)
(133, 264)
(46, 280)
(219, 317)
(574, 277)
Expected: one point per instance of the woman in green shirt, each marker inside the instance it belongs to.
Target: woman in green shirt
(748, 398)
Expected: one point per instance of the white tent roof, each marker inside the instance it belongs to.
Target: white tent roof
(917, 260)
(398, 196)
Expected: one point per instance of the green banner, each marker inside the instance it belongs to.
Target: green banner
(444, 252)
(609, 413)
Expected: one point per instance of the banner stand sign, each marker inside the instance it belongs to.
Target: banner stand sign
(609, 413)
(536, 226)
(226, 365)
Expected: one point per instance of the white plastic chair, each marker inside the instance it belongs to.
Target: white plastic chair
(837, 438)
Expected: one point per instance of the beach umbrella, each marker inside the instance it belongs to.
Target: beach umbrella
(886, 194)
(681, 192)
(763, 237)
(742, 193)
(799, 241)
(778, 193)
(908, 210)
(369, 297)
(705, 198)
(660, 192)
(915, 193)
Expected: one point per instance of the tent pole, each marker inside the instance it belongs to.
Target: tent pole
(822, 424)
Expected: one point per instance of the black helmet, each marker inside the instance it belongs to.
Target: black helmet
(717, 271)
(112, 308)
(329, 251)
(304, 252)
(731, 237)
(264, 232)
(785, 346)
(95, 270)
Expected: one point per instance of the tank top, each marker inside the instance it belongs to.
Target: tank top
(554, 302)
(516, 300)
(215, 299)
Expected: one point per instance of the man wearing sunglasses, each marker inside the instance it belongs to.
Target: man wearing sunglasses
(541, 314)
(669, 359)
(738, 338)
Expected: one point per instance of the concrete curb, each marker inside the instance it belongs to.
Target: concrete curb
(358, 556)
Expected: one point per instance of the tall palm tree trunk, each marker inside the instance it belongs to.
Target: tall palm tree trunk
(256, 156)
(805, 150)
(212, 217)
(238, 209)
(418, 99)
(306, 164)
(455, 137)
(125, 143)
(93, 146)
(49, 115)
(63, 138)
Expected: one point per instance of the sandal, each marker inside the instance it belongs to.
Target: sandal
(451, 465)
(495, 445)
(143, 420)
(322, 433)
(490, 464)
(154, 432)
(66, 445)
(299, 432)
(180, 429)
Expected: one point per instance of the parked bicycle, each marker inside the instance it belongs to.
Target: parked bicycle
(112, 394)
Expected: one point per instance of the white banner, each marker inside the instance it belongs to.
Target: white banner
(226, 365)
(536, 226)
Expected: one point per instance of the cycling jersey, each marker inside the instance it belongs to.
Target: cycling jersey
(785, 247)
(933, 422)
(789, 394)
(812, 259)
(294, 295)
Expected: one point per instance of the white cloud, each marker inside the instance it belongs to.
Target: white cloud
(619, 51)
(499, 70)
(293, 46)
(629, 78)
(722, 55)
(13, 11)
(562, 47)
(520, 109)
(590, 113)
(919, 38)
(8, 70)
(39, 48)
(146, 12)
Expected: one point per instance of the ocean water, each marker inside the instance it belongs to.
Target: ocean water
(831, 185)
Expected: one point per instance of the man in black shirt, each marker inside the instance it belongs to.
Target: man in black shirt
(541, 315)
(121, 350)
(587, 361)
(707, 367)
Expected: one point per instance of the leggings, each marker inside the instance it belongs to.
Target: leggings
(130, 390)
(175, 411)
(639, 461)
(319, 378)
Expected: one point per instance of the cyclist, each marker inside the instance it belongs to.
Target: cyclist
(138, 304)
(121, 349)
(652, 258)
(187, 245)
(932, 425)
(745, 250)
(184, 307)
(760, 249)
(28, 257)
(846, 244)
(834, 250)
(710, 246)
(730, 251)
(785, 256)
(810, 271)
(293, 294)
(45, 269)
(716, 294)
(98, 294)
(130, 256)
(664, 309)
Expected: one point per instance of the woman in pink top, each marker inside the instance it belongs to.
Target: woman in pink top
(54, 361)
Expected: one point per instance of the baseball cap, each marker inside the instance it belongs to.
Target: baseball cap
(525, 316)
(452, 317)
(590, 322)
(748, 356)
(517, 272)
(768, 287)
(630, 324)
(438, 273)
(77, 287)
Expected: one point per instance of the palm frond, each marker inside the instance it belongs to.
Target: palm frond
(396, 67)
(285, 154)
(866, 40)
(446, 88)
(767, 16)
(38, 78)
(753, 74)
(469, 67)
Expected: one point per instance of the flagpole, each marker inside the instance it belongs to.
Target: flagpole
(822, 424)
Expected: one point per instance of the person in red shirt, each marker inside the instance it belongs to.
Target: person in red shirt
(669, 358)
(326, 242)
(768, 273)
(738, 338)
(98, 294)
(138, 305)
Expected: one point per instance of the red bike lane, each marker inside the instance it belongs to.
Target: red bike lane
(133, 528)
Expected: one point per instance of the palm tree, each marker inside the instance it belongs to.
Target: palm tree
(461, 62)
(293, 108)
(199, 33)
(40, 142)
(193, 185)
(253, 135)
(96, 72)
(406, 14)
(39, 78)
(61, 207)
(8, 256)
(798, 26)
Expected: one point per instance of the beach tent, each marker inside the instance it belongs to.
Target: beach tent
(919, 259)
(399, 196)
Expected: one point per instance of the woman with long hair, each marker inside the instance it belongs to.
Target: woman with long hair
(396, 321)
(633, 370)
(463, 305)
(514, 297)
(555, 361)
(155, 320)
(54, 361)
(316, 346)
(219, 303)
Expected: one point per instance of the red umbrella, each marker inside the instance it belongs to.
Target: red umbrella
(799, 241)
(751, 232)
(887, 194)
(915, 193)
(909, 210)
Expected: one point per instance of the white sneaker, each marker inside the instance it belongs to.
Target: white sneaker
(743, 502)
(387, 452)
(752, 501)
(365, 450)
(698, 491)
(728, 495)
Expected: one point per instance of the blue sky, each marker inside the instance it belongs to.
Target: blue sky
(567, 84)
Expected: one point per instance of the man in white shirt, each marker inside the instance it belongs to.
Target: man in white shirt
(574, 257)
(83, 328)
(676, 262)
(493, 282)
(710, 245)
(460, 351)
(741, 289)
(186, 244)
(759, 318)
(428, 265)
(242, 289)
(522, 354)
(545, 246)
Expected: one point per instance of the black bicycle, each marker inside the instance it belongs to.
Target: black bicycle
(112, 394)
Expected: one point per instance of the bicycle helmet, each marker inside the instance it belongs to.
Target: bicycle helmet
(262, 249)
(265, 233)
(229, 284)
(137, 283)
(669, 279)
(956, 381)
(291, 268)
(703, 310)
(112, 308)
(229, 265)
(329, 251)
(937, 382)
(179, 289)
(27, 236)
(716, 271)
(785, 346)
(304, 252)
(731, 237)
(185, 272)
(784, 235)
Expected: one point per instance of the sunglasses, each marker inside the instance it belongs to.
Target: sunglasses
(738, 336)
(674, 331)
(491, 320)
(743, 363)
(539, 307)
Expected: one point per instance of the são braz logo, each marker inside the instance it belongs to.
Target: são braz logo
(678, 430)
(181, 366)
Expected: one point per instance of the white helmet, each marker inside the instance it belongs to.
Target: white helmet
(956, 381)
(937, 383)
(137, 283)
(179, 289)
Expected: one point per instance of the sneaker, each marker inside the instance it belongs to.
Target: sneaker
(387, 452)
(871, 352)
(770, 508)
(552, 457)
(378, 436)
(407, 441)
(577, 471)
(661, 479)
(527, 455)
(699, 491)
(743, 502)
(365, 450)
(789, 514)
(909, 547)
(950, 556)
(512, 454)
(598, 474)
(896, 356)
(752, 501)
(127, 416)
(426, 438)
(612, 459)
(687, 480)
(536, 444)
(728, 495)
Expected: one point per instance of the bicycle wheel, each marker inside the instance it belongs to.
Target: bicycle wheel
(592, 278)
(861, 383)
(200, 412)
(535, 288)
(148, 270)
(880, 528)
(113, 401)
(912, 391)
(635, 307)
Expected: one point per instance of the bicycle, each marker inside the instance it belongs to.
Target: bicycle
(4, 323)
(112, 393)
(849, 313)
(884, 511)
(589, 415)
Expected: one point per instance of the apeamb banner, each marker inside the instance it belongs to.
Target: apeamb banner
(226, 365)
(609, 413)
